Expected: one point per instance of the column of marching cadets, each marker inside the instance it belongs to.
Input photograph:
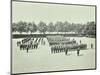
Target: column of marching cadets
(30, 43)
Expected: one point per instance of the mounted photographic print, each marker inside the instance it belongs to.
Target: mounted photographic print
(52, 37)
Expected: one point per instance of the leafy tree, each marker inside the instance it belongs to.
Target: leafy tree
(14, 27)
(42, 27)
(90, 28)
(66, 26)
(51, 27)
(32, 27)
(26, 28)
(22, 26)
(59, 26)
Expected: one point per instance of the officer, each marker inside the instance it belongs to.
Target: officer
(66, 51)
(27, 48)
(52, 48)
(78, 51)
(80, 41)
(91, 46)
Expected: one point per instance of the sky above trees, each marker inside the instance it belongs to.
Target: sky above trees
(26, 11)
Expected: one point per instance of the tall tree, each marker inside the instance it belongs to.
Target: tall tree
(51, 27)
(90, 28)
(66, 26)
(21, 26)
(59, 26)
(14, 27)
(32, 27)
(42, 27)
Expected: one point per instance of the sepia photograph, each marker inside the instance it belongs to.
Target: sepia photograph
(52, 37)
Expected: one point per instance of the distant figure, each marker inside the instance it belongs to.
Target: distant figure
(78, 51)
(55, 48)
(91, 46)
(35, 45)
(27, 49)
(52, 49)
(66, 51)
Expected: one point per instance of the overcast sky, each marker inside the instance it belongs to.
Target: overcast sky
(37, 12)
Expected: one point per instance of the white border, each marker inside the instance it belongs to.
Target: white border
(5, 37)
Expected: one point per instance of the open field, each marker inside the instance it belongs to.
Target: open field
(41, 59)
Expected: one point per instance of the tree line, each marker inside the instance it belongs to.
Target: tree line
(22, 26)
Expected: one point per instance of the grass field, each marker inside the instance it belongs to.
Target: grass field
(41, 59)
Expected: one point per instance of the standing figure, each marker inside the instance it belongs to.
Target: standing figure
(80, 41)
(27, 48)
(42, 41)
(78, 51)
(91, 46)
(52, 49)
(66, 51)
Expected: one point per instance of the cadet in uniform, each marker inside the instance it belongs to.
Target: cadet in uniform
(66, 51)
(91, 45)
(78, 51)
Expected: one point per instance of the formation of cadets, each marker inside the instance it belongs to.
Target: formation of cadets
(57, 43)
(62, 44)
(30, 43)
